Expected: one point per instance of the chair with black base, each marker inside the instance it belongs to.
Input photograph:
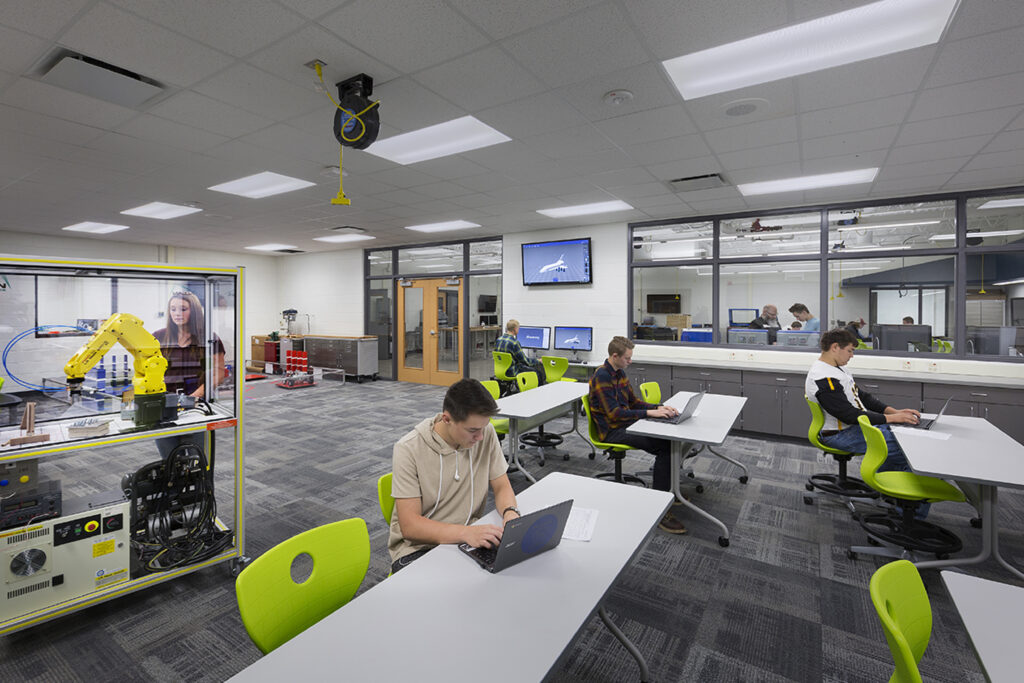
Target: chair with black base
(614, 451)
(538, 439)
(898, 533)
(502, 364)
(838, 484)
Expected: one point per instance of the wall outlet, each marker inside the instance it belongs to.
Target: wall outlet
(933, 367)
(750, 357)
(732, 355)
(906, 365)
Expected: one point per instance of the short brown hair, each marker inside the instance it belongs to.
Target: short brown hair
(468, 397)
(618, 345)
(839, 335)
(798, 308)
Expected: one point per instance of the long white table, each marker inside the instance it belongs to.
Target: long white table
(979, 457)
(709, 425)
(444, 618)
(991, 614)
(529, 409)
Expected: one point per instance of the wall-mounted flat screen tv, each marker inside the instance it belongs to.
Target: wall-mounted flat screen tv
(566, 262)
(487, 303)
(663, 303)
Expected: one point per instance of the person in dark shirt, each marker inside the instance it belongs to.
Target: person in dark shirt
(768, 320)
(614, 407)
(509, 343)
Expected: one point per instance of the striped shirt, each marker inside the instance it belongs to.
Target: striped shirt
(613, 404)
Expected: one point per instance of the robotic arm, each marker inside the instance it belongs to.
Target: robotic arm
(150, 364)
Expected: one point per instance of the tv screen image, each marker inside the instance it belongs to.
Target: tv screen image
(534, 337)
(562, 263)
(574, 338)
(487, 303)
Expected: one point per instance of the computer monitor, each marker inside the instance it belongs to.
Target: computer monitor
(994, 341)
(574, 338)
(797, 338)
(534, 337)
(744, 335)
(902, 337)
(741, 317)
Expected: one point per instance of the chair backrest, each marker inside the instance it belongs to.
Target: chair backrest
(387, 503)
(554, 367)
(862, 345)
(592, 430)
(502, 362)
(906, 615)
(275, 609)
(651, 392)
(527, 381)
(492, 387)
(874, 455)
(814, 430)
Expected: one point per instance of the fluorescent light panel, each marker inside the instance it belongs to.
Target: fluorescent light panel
(433, 142)
(585, 209)
(1018, 281)
(809, 182)
(1002, 203)
(441, 227)
(271, 247)
(95, 228)
(991, 233)
(880, 28)
(846, 228)
(262, 185)
(161, 210)
(344, 238)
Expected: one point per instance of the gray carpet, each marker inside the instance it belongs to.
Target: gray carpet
(782, 603)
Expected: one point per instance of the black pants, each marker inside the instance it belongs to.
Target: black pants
(406, 560)
(534, 366)
(661, 449)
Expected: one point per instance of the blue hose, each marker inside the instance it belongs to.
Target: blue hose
(22, 335)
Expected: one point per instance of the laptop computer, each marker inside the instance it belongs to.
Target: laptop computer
(685, 413)
(523, 538)
(927, 424)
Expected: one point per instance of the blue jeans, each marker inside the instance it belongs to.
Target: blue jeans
(852, 439)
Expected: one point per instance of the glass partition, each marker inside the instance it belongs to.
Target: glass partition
(485, 255)
(485, 323)
(789, 235)
(994, 221)
(755, 299)
(380, 262)
(918, 225)
(442, 258)
(673, 242)
(672, 303)
(378, 322)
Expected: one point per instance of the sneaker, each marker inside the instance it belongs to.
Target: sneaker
(671, 525)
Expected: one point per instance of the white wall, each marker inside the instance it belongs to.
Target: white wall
(327, 286)
(601, 304)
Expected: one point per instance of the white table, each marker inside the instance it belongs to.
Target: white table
(709, 425)
(529, 409)
(444, 618)
(991, 614)
(977, 455)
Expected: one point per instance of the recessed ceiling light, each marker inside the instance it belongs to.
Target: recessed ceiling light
(271, 247)
(161, 210)
(442, 227)
(96, 228)
(444, 139)
(1018, 281)
(873, 30)
(846, 228)
(261, 185)
(344, 238)
(809, 182)
(1002, 203)
(585, 209)
(990, 233)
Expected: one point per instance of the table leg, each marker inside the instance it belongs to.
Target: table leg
(645, 674)
(746, 474)
(513, 445)
(576, 407)
(679, 450)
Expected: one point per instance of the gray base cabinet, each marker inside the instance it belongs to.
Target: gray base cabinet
(1004, 408)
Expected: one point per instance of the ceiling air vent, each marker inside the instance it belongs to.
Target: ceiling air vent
(88, 76)
(708, 181)
(348, 230)
(290, 251)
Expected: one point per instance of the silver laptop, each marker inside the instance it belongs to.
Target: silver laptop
(927, 424)
(685, 413)
(523, 538)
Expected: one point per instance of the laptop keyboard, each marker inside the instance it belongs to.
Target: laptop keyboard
(486, 554)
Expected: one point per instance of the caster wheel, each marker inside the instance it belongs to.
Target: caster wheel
(359, 380)
(690, 475)
(851, 555)
(942, 556)
(565, 457)
(375, 377)
(744, 479)
(976, 522)
(723, 541)
(700, 488)
(592, 456)
(872, 541)
(808, 487)
(808, 500)
(542, 464)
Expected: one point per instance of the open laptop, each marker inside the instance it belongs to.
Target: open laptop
(927, 424)
(685, 413)
(523, 538)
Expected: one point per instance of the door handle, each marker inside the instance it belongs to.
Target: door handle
(432, 333)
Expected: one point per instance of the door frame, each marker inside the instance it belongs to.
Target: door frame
(428, 374)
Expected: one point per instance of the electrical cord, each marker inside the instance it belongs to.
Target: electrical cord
(22, 335)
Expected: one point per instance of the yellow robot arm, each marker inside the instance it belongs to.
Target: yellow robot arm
(150, 364)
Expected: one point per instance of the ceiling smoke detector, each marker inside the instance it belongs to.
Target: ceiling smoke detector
(744, 107)
(617, 97)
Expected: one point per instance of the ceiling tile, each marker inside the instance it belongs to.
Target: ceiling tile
(619, 178)
(760, 156)
(753, 135)
(963, 125)
(43, 98)
(893, 187)
(450, 168)
(854, 117)
(771, 101)
(19, 51)
(481, 79)
(645, 194)
(287, 58)
(661, 151)
(403, 177)
(849, 143)
(939, 149)
(608, 160)
(48, 127)
(1011, 159)
(985, 178)
(543, 113)
(645, 126)
(122, 39)
(738, 176)
(429, 32)
(46, 19)
(312, 8)
(502, 19)
(570, 142)
(156, 129)
(590, 43)
(192, 109)
(962, 98)
(974, 18)
(1006, 141)
(873, 79)
(993, 54)
(442, 190)
(291, 142)
(247, 87)
(843, 162)
(406, 105)
(647, 82)
(517, 161)
(935, 167)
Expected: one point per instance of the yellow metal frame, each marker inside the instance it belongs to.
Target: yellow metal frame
(236, 552)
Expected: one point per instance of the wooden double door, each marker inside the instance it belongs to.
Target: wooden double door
(429, 344)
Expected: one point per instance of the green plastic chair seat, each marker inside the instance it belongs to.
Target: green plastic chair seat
(500, 424)
(814, 430)
(387, 503)
(527, 381)
(592, 432)
(554, 369)
(901, 601)
(502, 362)
(275, 609)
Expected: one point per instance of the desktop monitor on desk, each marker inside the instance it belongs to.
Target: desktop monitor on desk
(797, 338)
(902, 337)
(534, 337)
(574, 338)
(745, 335)
(994, 341)
(741, 317)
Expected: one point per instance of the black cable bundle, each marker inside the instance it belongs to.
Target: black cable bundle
(173, 511)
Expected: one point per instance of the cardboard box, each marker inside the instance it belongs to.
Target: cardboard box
(257, 346)
(678, 320)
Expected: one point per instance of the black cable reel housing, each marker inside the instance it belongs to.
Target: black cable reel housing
(353, 95)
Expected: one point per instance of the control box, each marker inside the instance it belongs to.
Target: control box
(22, 506)
(50, 562)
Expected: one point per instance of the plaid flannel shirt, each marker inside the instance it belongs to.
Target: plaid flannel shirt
(507, 343)
(612, 402)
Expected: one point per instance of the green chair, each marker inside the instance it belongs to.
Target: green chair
(538, 439)
(555, 368)
(275, 608)
(902, 534)
(502, 364)
(839, 484)
(500, 424)
(527, 380)
(614, 451)
(387, 503)
(862, 345)
(650, 392)
(906, 615)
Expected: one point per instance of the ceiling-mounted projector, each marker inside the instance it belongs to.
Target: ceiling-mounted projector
(353, 95)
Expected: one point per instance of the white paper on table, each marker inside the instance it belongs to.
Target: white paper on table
(926, 433)
(580, 526)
